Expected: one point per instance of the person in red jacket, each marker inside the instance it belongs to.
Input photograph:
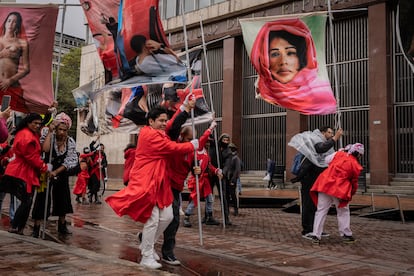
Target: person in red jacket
(129, 156)
(22, 173)
(83, 176)
(336, 185)
(148, 198)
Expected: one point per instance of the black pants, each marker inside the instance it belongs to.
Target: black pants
(171, 231)
(17, 187)
(308, 207)
(231, 194)
(222, 193)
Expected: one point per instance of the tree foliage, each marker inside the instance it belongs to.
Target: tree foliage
(68, 80)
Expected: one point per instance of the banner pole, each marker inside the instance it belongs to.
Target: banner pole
(60, 51)
(200, 230)
(338, 111)
(212, 110)
(52, 141)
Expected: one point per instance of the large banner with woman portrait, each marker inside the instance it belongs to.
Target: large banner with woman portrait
(288, 53)
(26, 53)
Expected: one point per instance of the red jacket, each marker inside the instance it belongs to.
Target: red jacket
(146, 185)
(179, 165)
(204, 178)
(129, 156)
(339, 180)
(27, 164)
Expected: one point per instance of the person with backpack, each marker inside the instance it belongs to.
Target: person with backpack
(315, 146)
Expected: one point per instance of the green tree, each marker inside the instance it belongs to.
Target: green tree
(68, 80)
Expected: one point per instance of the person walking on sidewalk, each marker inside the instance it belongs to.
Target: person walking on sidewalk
(147, 198)
(233, 175)
(315, 146)
(21, 175)
(336, 185)
(204, 170)
(64, 158)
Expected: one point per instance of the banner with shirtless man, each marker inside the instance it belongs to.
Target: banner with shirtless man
(26, 50)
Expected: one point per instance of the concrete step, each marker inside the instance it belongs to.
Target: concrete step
(402, 183)
(390, 190)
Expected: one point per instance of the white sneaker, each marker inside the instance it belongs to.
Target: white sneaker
(181, 212)
(156, 256)
(150, 263)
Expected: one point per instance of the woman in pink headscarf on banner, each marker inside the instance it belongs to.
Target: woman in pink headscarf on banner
(284, 56)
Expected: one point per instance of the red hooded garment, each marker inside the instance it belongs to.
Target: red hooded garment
(305, 92)
(146, 185)
(339, 180)
(27, 164)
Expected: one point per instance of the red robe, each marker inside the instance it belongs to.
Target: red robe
(81, 183)
(203, 179)
(27, 164)
(146, 185)
(129, 156)
(339, 180)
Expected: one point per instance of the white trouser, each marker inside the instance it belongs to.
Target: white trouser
(343, 215)
(153, 228)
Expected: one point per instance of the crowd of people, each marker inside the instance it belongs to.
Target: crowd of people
(38, 157)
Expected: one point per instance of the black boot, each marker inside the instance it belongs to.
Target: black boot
(36, 231)
(211, 221)
(63, 229)
(78, 199)
(187, 222)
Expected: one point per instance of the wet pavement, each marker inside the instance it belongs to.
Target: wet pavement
(261, 241)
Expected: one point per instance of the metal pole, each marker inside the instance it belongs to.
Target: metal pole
(52, 141)
(200, 230)
(338, 111)
(212, 110)
(60, 50)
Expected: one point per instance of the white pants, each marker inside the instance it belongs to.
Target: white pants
(153, 228)
(344, 217)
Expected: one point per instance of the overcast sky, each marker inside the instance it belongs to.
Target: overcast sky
(74, 17)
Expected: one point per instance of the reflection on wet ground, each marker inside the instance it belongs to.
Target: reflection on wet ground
(117, 238)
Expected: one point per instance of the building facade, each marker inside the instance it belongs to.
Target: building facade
(375, 83)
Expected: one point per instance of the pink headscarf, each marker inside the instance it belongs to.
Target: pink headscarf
(357, 147)
(305, 93)
(64, 118)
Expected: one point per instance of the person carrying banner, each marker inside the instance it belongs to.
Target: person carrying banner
(315, 146)
(147, 198)
(14, 59)
(284, 55)
(336, 185)
(21, 175)
(64, 158)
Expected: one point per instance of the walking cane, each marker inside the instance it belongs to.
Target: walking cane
(52, 138)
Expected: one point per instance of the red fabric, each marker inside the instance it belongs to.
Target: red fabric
(146, 185)
(27, 164)
(129, 156)
(17, 101)
(179, 166)
(203, 179)
(305, 93)
(339, 180)
(4, 133)
(81, 183)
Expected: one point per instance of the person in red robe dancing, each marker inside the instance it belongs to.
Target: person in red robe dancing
(147, 198)
(336, 185)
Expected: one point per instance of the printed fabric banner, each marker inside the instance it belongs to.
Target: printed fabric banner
(405, 30)
(132, 44)
(122, 109)
(288, 53)
(26, 52)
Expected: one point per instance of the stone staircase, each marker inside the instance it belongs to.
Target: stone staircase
(254, 179)
(400, 185)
